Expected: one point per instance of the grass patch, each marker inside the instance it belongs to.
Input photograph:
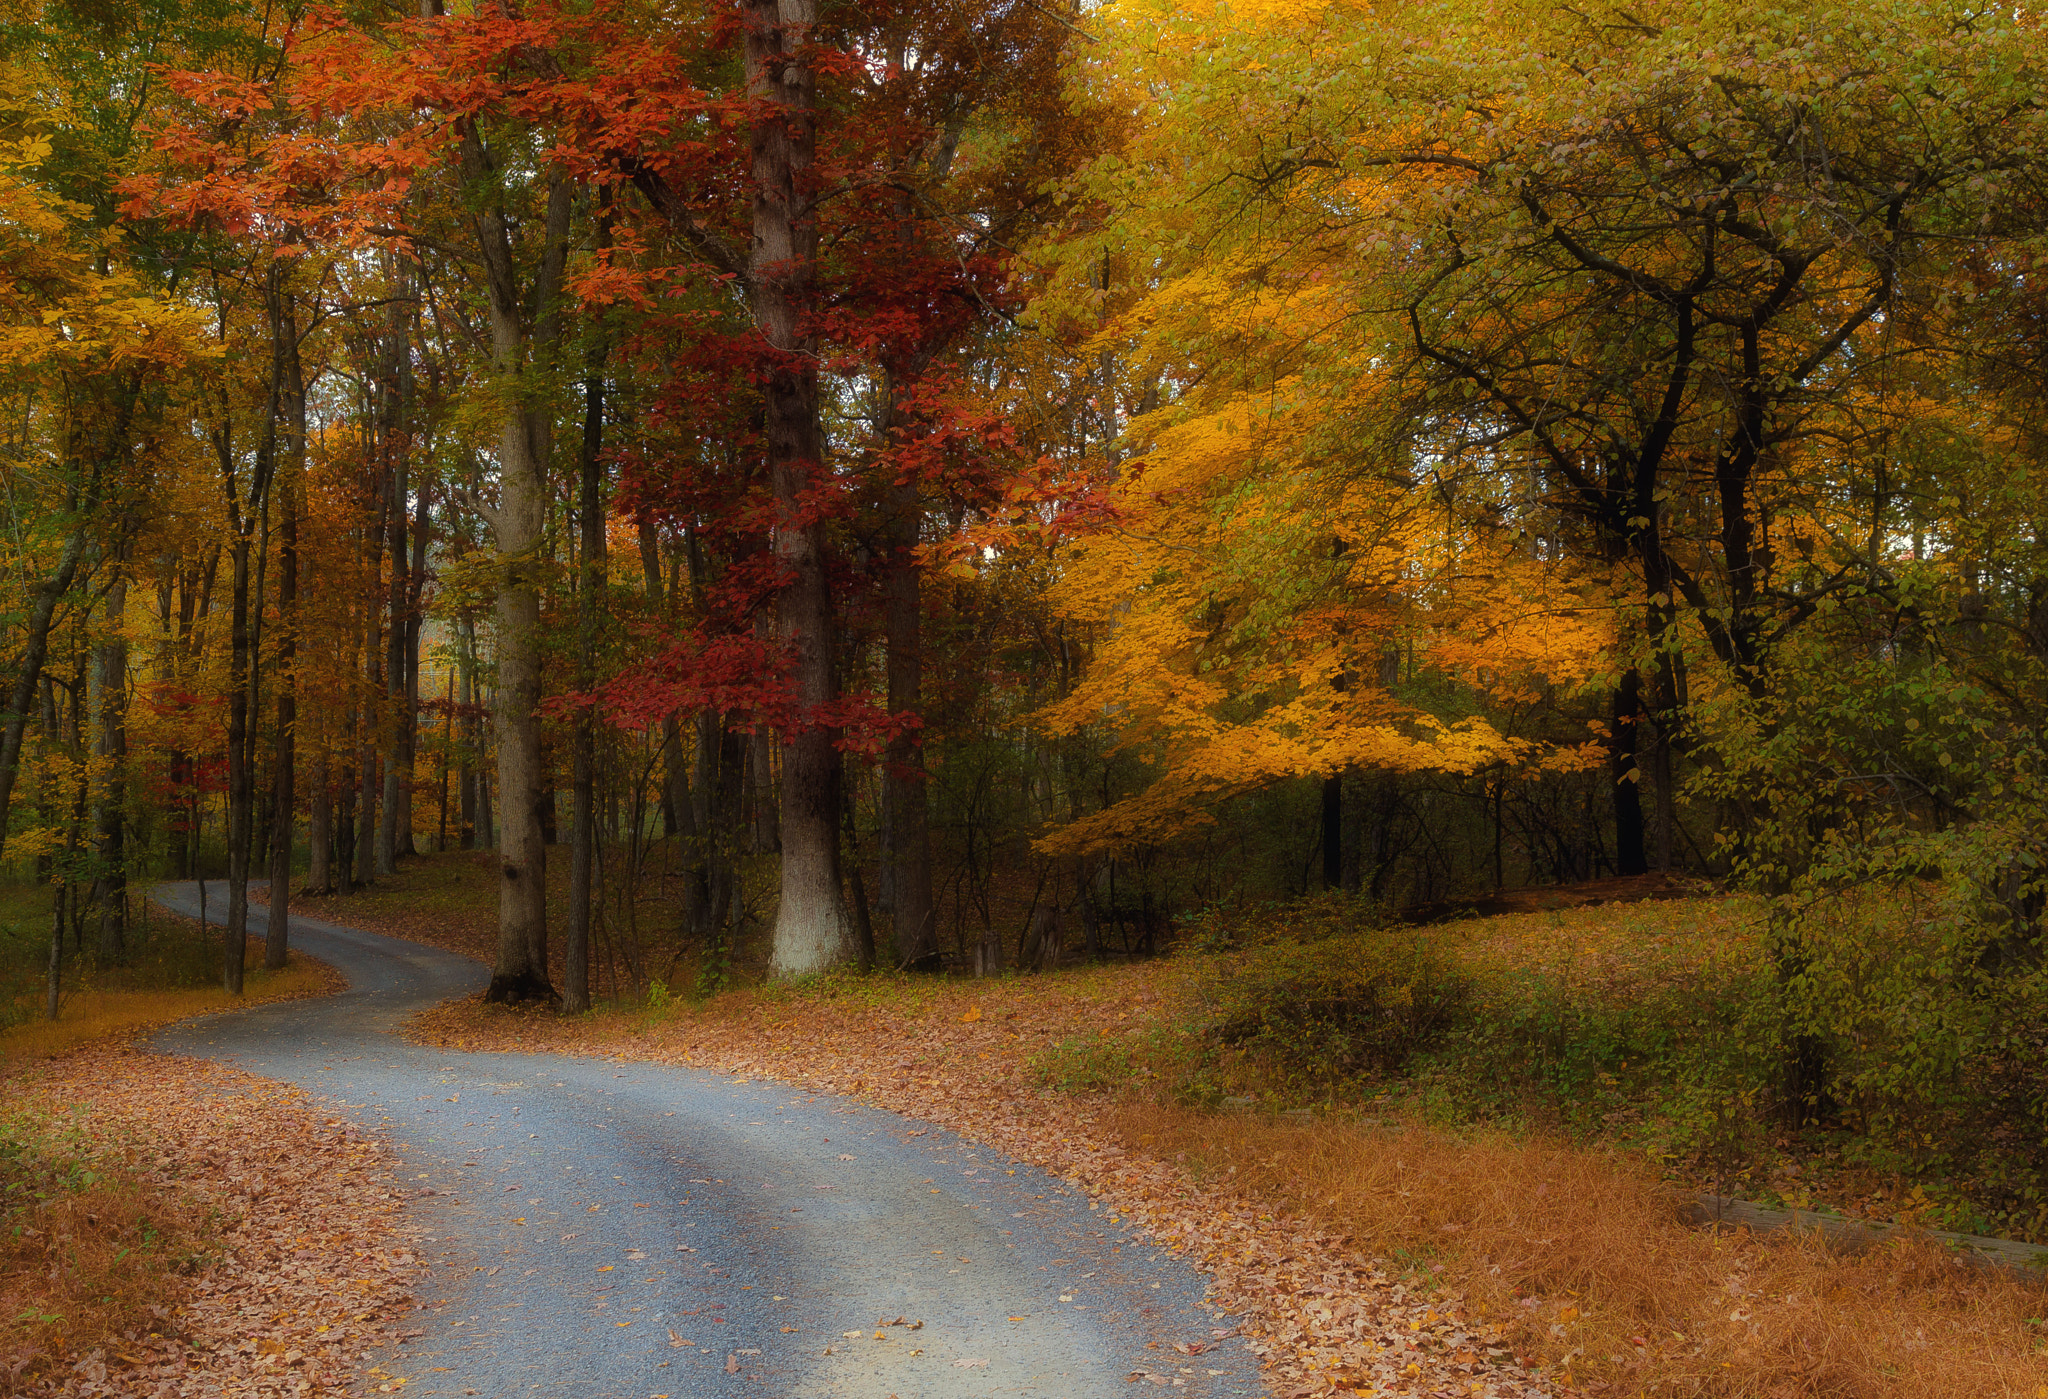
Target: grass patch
(86, 1247)
(1569, 1251)
(1577, 1256)
(171, 970)
(103, 1013)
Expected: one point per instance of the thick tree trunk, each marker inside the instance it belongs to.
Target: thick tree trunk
(1629, 854)
(521, 969)
(811, 927)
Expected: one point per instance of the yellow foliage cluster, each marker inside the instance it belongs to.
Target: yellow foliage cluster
(1258, 598)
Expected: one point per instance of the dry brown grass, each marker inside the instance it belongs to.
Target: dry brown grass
(97, 1261)
(90, 1248)
(1586, 1256)
(94, 1015)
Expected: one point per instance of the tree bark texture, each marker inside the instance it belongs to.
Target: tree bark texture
(812, 931)
(906, 821)
(523, 344)
(589, 613)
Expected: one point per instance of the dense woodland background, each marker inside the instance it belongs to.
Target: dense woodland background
(981, 485)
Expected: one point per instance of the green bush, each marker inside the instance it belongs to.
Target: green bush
(1324, 1013)
(42, 1159)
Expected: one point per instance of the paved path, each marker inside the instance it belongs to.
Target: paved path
(586, 1215)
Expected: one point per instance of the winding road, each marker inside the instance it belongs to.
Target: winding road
(633, 1231)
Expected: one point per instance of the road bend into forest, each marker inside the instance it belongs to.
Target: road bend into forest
(584, 1216)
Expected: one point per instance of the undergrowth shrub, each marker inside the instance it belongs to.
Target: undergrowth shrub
(1932, 1030)
(86, 1247)
(1672, 1062)
(1314, 1018)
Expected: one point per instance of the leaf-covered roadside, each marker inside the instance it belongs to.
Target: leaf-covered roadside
(298, 1261)
(1321, 1313)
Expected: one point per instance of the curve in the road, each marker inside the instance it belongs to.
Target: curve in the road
(633, 1231)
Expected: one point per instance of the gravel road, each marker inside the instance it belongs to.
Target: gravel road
(632, 1231)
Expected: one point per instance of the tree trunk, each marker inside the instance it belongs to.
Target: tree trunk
(674, 787)
(244, 513)
(344, 825)
(1333, 831)
(1629, 854)
(589, 611)
(409, 727)
(465, 667)
(364, 860)
(284, 753)
(41, 612)
(764, 833)
(319, 827)
(397, 771)
(906, 821)
(811, 926)
(241, 787)
(447, 760)
(521, 970)
(110, 668)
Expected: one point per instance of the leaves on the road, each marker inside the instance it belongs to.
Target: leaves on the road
(1319, 1313)
(310, 1263)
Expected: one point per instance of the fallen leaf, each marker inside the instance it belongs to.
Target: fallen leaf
(732, 1364)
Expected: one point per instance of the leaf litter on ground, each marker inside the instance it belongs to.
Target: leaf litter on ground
(306, 1263)
(1322, 1316)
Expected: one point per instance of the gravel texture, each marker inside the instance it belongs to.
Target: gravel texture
(629, 1230)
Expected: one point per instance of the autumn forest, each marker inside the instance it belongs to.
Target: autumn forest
(1283, 564)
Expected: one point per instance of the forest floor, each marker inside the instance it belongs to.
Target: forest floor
(1561, 1252)
(173, 1227)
